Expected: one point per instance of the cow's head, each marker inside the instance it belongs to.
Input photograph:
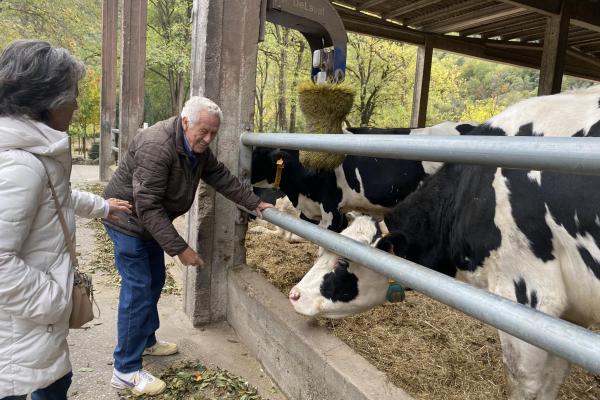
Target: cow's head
(264, 164)
(335, 287)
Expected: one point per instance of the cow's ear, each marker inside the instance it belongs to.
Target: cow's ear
(394, 243)
(278, 154)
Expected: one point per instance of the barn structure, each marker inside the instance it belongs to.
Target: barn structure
(556, 36)
(565, 38)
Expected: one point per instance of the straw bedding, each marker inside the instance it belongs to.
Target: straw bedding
(424, 347)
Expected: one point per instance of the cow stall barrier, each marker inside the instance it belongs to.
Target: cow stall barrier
(579, 155)
(574, 155)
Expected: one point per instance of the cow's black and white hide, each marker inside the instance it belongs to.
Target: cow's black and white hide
(282, 204)
(369, 185)
(529, 236)
(268, 195)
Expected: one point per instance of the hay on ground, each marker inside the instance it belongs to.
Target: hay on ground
(424, 347)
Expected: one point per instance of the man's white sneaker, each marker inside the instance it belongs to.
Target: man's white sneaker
(142, 382)
(161, 348)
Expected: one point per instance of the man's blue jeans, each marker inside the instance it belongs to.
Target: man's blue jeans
(56, 391)
(141, 264)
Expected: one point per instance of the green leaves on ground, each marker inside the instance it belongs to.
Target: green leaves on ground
(191, 380)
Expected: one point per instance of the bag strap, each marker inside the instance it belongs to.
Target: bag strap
(63, 222)
(70, 245)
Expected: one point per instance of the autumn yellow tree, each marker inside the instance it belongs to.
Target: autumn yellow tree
(381, 72)
(86, 122)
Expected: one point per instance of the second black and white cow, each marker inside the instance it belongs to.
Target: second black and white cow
(369, 185)
(530, 236)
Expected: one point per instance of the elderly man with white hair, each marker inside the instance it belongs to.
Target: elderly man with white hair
(159, 176)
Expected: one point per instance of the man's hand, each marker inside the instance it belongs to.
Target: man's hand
(261, 206)
(115, 206)
(189, 257)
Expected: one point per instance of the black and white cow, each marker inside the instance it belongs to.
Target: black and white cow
(369, 185)
(530, 236)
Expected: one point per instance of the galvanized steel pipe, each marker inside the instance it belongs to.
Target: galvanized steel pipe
(580, 155)
(569, 341)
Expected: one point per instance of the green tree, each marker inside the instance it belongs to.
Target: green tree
(168, 53)
(377, 67)
(76, 27)
(480, 110)
(86, 121)
(446, 96)
(282, 63)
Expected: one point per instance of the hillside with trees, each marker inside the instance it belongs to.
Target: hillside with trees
(381, 71)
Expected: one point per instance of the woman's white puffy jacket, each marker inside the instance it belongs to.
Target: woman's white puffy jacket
(35, 269)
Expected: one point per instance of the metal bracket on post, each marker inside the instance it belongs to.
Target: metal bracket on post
(320, 24)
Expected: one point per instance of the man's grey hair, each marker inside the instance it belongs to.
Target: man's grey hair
(198, 103)
(36, 77)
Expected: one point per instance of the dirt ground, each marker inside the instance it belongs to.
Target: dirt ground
(425, 347)
(212, 363)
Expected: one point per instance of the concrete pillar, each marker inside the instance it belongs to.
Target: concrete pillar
(108, 97)
(224, 43)
(421, 87)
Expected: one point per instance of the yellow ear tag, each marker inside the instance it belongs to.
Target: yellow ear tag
(280, 165)
(395, 291)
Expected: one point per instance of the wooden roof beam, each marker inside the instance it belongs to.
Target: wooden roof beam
(133, 59)
(360, 23)
(369, 4)
(408, 8)
(590, 53)
(545, 7)
(492, 29)
(421, 85)
(108, 96)
(420, 20)
(583, 35)
(554, 56)
(494, 26)
(474, 18)
(585, 42)
(529, 35)
(583, 13)
(585, 58)
(588, 48)
(485, 49)
(576, 32)
(537, 35)
(520, 32)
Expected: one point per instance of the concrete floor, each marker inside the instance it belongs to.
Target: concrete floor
(91, 349)
(85, 174)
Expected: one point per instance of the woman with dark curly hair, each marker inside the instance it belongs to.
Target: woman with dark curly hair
(38, 95)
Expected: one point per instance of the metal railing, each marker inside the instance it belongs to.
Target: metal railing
(114, 137)
(561, 154)
(567, 340)
(114, 140)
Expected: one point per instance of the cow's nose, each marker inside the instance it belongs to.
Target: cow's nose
(294, 295)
